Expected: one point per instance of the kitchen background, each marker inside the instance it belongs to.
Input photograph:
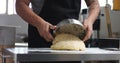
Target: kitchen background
(9, 19)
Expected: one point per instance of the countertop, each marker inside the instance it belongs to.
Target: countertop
(46, 54)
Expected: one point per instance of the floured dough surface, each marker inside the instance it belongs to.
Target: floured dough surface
(67, 42)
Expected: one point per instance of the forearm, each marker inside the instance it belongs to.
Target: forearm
(94, 10)
(23, 10)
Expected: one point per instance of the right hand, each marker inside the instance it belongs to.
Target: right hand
(44, 30)
(88, 25)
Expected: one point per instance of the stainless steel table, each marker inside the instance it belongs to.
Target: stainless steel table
(46, 54)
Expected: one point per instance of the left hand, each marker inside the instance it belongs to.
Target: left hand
(89, 29)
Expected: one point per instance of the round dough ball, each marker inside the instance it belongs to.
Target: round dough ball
(67, 42)
(65, 37)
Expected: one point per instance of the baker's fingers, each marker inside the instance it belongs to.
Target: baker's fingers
(88, 35)
(53, 27)
(48, 35)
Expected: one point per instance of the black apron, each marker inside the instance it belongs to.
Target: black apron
(53, 11)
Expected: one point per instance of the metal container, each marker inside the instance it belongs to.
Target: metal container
(71, 26)
(7, 36)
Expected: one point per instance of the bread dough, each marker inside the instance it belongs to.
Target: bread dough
(67, 42)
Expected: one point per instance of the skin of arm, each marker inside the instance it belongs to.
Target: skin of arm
(26, 13)
(93, 13)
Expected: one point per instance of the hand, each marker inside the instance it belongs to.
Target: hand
(44, 30)
(89, 29)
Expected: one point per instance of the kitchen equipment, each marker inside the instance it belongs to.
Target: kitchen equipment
(109, 43)
(24, 54)
(7, 36)
(70, 26)
(108, 22)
